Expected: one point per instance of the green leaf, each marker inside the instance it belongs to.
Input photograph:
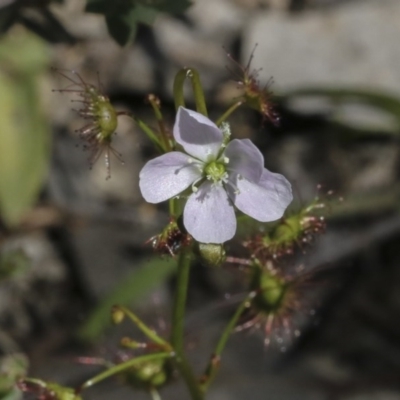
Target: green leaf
(96, 6)
(12, 367)
(127, 293)
(169, 6)
(8, 16)
(122, 17)
(119, 30)
(145, 15)
(122, 25)
(13, 394)
(13, 263)
(24, 133)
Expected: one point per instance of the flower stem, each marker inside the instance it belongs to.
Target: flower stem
(144, 328)
(156, 105)
(179, 81)
(228, 112)
(178, 323)
(215, 360)
(147, 130)
(188, 376)
(180, 299)
(154, 394)
(122, 367)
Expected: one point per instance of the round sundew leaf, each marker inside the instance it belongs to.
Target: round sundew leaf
(244, 159)
(265, 201)
(198, 135)
(166, 176)
(209, 215)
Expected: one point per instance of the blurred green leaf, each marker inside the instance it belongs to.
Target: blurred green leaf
(123, 17)
(123, 25)
(8, 16)
(24, 134)
(96, 6)
(12, 367)
(13, 263)
(128, 292)
(169, 6)
(383, 101)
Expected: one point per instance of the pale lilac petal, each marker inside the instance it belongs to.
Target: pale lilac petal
(166, 176)
(245, 159)
(199, 136)
(209, 216)
(265, 201)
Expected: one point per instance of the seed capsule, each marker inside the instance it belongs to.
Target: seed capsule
(98, 134)
(254, 95)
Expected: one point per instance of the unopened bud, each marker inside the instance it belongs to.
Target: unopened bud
(270, 288)
(212, 254)
(149, 374)
(131, 344)
(117, 315)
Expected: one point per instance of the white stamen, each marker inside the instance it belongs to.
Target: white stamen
(225, 177)
(235, 188)
(194, 188)
(226, 160)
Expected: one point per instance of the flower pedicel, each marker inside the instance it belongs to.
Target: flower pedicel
(220, 176)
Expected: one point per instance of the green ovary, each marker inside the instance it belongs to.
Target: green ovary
(107, 118)
(215, 171)
(271, 290)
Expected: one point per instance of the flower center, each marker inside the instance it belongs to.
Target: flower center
(215, 171)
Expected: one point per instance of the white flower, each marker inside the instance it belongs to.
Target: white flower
(219, 177)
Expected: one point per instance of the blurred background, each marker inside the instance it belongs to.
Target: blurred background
(73, 243)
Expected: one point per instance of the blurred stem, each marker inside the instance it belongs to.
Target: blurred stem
(215, 360)
(188, 376)
(154, 394)
(147, 130)
(198, 92)
(144, 328)
(34, 381)
(228, 112)
(124, 366)
(178, 315)
(156, 105)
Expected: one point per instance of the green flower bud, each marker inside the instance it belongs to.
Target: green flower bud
(117, 315)
(289, 233)
(270, 289)
(48, 390)
(149, 374)
(212, 254)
